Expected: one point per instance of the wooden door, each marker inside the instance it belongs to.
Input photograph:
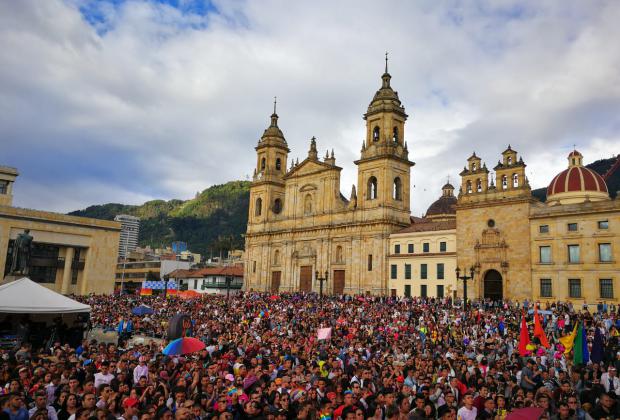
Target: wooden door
(305, 278)
(275, 281)
(338, 282)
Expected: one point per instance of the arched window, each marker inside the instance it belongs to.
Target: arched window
(397, 194)
(263, 162)
(372, 188)
(504, 182)
(478, 185)
(510, 160)
(395, 134)
(276, 257)
(258, 210)
(515, 180)
(278, 164)
(375, 134)
(277, 206)
(473, 166)
(308, 204)
(338, 253)
(468, 187)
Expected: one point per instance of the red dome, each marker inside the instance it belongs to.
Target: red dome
(575, 179)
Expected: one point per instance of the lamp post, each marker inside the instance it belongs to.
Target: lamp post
(321, 280)
(465, 277)
(228, 280)
(166, 278)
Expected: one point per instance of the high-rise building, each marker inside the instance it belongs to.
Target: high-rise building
(130, 230)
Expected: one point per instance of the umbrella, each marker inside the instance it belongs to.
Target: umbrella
(142, 310)
(183, 345)
(528, 413)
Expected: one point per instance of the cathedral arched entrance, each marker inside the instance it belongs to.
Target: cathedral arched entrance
(493, 285)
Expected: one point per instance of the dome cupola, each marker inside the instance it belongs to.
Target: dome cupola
(443, 208)
(576, 184)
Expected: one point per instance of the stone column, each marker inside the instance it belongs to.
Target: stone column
(86, 271)
(66, 274)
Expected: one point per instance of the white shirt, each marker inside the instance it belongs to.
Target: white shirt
(465, 414)
(100, 378)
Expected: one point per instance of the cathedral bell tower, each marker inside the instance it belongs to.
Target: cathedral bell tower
(267, 189)
(383, 171)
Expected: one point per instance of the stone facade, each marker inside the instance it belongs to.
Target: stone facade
(499, 234)
(300, 225)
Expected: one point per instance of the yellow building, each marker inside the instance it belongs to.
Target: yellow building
(521, 248)
(576, 238)
(422, 256)
(300, 224)
(70, 254)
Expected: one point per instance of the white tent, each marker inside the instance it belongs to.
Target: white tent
(24, 296)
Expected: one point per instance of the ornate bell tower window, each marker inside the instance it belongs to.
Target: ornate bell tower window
(258, 207)
(263, 163)
(372, 188)
(278, 164)
(398, 189)
(395, 134)
(468, 187)
(515, 180)
(375, 134)
(504, 182)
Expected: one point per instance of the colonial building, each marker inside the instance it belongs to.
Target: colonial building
(70, 254)
(565, 248)
(575, 246)
(300, 224)
(423, 255)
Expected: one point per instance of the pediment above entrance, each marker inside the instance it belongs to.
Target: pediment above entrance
(310, 167)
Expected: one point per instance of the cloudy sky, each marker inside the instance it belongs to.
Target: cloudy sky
(127, 101)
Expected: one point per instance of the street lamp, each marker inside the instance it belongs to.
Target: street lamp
(228, 280)
(321, 280)
(465, 277)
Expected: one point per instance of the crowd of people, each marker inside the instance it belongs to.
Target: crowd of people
(383, 358)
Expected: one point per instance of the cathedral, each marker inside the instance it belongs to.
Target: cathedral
(303, 232)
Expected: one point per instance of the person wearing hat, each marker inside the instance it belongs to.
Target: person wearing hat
(610, 380)
(130, 409)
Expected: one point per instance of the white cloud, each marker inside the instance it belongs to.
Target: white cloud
(154, 102)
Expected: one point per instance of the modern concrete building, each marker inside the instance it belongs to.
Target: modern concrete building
(70, 254)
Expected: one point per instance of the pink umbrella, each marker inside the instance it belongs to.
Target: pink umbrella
(528, 413)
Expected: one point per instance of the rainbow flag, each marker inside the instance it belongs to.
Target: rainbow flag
(146, 292)
(581, 354)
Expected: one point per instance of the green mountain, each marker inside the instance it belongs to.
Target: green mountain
(601, 167)
(212, 222)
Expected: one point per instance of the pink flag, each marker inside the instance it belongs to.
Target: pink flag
(324, 333)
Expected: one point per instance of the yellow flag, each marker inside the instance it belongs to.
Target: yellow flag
(569, 340)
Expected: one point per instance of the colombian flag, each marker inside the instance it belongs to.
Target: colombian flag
(146, 292)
